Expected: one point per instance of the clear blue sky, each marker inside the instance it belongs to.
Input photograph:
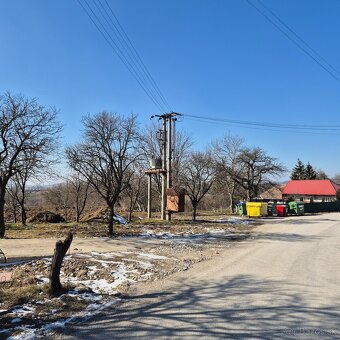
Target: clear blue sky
(213, 58)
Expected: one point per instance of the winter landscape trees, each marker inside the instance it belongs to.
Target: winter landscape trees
(111, 159)
(28, 138)
(106, 155)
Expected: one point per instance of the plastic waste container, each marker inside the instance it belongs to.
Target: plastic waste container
(300, 208)
(296, 208)
(272, 211)
(257, 209)
(242, 208)
(282, 210)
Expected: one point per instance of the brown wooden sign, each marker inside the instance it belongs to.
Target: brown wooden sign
(175, 200)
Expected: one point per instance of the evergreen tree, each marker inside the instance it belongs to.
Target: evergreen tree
(298, 171)
(310, 172)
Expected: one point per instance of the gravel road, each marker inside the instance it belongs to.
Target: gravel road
(283, 283)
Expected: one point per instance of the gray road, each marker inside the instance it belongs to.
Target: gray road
(282, 284)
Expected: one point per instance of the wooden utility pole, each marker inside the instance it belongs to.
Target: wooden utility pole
(165, 173)
(149, 195)
(166, 170)
(169, 169)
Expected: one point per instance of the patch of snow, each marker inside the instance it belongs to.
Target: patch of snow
(16, 320)
(232, 220)
(22, 310)
(103, 286)
(9, 264)
(120, 275)
(152, 256)
(43, 280)
(26, 334)
(92, 269)
(216, 232)
(107, 255)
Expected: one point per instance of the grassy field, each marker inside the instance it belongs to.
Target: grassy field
(99, 229)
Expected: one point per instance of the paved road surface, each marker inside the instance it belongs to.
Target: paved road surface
(284, 283)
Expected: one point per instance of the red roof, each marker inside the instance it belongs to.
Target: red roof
(317, 187)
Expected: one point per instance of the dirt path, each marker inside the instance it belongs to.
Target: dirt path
(17, 249)
(283, 283)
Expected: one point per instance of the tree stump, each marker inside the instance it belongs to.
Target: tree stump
(60, 251)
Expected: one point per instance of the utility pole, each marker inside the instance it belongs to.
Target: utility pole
(166, 171)
(169, 169)
(149, 195)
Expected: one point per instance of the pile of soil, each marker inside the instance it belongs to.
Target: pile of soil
(46, 216)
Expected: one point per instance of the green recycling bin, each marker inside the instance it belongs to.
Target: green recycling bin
(296, 208)
(300, 208)
(241, 209)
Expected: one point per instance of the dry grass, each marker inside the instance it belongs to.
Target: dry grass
(11, 296)
(99, 229)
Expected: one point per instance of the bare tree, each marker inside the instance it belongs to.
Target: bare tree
(320, 174)
(253, 169)
(12, 194)
(226, 152)
(31, 167)
(197, 177)
(336, 178)
(106, 155)
(134, 190)
(80, 189)
(26, 129)
(60, 197)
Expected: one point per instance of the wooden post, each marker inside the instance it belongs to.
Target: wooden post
(164, 174)
(168, 180)
(149, 196)
(60, 251)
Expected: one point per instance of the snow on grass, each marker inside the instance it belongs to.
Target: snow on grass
(23, 310)
(30, 333)
(104, 286)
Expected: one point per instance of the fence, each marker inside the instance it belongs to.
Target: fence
(322, 207)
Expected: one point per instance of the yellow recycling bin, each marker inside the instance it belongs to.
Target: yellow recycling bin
(257, 209)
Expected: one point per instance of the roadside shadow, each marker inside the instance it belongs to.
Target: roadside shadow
(286, 237)
(240, 308)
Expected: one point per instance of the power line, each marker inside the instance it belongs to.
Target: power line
(296, 43)
(128, 62)
(138, 57)
(307, 129)
(299, 37)
(115, 28)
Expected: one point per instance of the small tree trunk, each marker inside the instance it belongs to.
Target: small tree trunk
(110, 226)
(23, 215)
(22, 205)
(194, 211)
(2, 212)
(60, 251)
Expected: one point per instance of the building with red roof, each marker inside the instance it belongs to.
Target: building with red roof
(323, 190)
